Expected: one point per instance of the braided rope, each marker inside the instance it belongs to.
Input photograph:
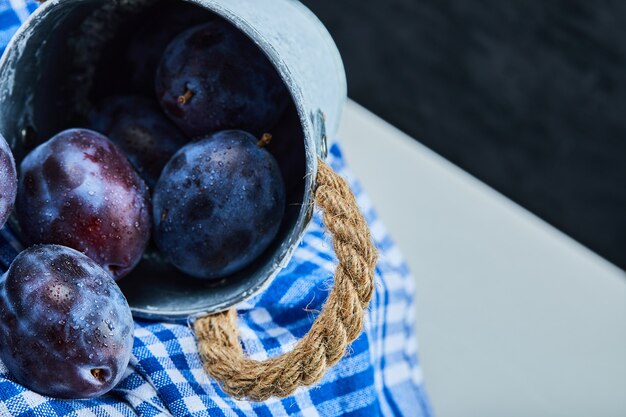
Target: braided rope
(339, 323)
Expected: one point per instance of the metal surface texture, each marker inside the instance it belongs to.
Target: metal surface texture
(42, 53)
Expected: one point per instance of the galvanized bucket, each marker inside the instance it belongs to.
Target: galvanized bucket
(63, 35)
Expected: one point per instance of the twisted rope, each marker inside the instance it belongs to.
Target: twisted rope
(339, 323)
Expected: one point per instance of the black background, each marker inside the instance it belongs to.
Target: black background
(528, 96)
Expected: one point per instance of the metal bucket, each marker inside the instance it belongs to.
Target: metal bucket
(44, 69)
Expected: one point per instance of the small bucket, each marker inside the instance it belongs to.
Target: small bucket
(46, 78)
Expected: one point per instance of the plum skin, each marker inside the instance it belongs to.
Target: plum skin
(79, 190)
(212, 77)
(66, 329)
(218, 205)
(8, 181)
(139, 127)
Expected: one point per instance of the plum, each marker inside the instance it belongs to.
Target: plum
(65, 327)
(8, 181)
(218, 204)
(212, 77)
(79, 190)
(139, 127)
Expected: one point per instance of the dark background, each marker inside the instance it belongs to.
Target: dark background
(528, 96)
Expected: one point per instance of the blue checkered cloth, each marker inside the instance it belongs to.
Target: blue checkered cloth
(379, 376)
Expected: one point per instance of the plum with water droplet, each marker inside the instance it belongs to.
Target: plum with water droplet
(218, 204)
(139, 127)
(65, 327)
(212, 77)
(79, 190)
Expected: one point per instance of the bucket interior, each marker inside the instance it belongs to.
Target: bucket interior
(70, 57)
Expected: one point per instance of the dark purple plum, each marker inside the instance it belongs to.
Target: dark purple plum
(79, 190)
(218, 204)
(8, 181)
(138, 126)
(212, 77)
(65, 327)
(156, 29)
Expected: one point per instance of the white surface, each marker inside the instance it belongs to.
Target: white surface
(514, 318)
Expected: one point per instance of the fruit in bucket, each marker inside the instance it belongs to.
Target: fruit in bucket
(65, 327)
(218, 204)
(79, 190)
(212, 77)
(139, 127)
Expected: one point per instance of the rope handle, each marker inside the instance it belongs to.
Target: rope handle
(339, 323)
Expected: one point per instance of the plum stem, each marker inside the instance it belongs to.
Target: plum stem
(266, 138)
(184, 99)
(98, 374)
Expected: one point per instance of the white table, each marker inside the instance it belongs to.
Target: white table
(514, 317)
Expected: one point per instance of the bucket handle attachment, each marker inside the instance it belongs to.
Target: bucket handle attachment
(339, 323)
